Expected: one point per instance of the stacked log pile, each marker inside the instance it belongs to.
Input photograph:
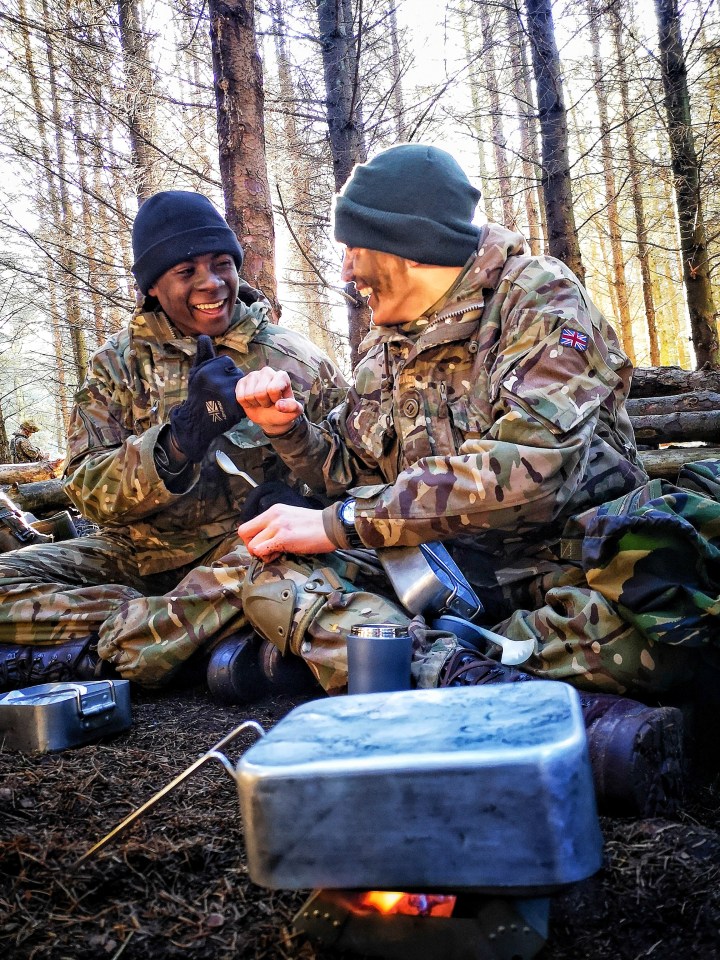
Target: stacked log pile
(35, 487)
(671, 408)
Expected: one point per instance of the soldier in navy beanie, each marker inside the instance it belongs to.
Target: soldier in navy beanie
(176, 225)
(412, 200)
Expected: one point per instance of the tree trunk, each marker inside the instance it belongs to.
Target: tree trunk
(666, 464)
(671, 381)
(524, 108)
(52, 200)
(637, 197)
(611, 202)
(138, 97)
(4, 442)
(489, 40)
(693, 238)
(532, 119)
(341, 68)
(38, 497)
(239, 96)
(662, 406)
(562, 234)
(306, 233)
(396, 66)
(29, 472)
(599, 280)
(487, 200)
(342, 94)
(65, 227)
(680, 427)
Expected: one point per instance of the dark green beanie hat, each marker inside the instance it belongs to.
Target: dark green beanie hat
(412, 200)
(176, 225)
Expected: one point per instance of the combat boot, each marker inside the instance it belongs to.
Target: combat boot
(27, 666)
(286, 674)
(233, 671)
(636, 751)
(636, 754)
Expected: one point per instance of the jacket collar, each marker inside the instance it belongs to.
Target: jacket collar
(154, 327)
(454, 317)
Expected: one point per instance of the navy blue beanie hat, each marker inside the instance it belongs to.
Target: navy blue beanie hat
(412, 200)
(176, 225)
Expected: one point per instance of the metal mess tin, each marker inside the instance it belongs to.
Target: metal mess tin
(53, 716)
(480, 788)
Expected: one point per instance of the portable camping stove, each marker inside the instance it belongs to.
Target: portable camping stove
(425, 926)
(482, 795)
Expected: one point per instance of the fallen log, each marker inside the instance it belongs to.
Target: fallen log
(678, 427)
(28, 472)
(38, 497)
(665, 464)
(662, 406)
(663, 381)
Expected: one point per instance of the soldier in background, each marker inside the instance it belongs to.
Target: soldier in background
(22, 449)
(488, 409)
(161, 578)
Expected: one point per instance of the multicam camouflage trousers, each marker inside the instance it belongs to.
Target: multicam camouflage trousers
(304, 605)
(307, 606)
(147, 626)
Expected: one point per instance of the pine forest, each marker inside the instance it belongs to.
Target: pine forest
(592, 126)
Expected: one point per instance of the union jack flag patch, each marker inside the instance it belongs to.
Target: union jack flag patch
(574, 339)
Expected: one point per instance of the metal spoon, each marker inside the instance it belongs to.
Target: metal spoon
(514, 652)
(227, 466)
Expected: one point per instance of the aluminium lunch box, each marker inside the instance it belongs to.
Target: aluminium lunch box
(53, 716)
(483, 788)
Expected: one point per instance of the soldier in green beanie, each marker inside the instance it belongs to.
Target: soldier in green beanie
(488, 410)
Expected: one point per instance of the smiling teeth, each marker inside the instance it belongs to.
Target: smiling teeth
(365, 291)
(209, 306)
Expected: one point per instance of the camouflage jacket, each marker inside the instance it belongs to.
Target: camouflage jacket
(23, 450)
(491, 419)
(133, 382)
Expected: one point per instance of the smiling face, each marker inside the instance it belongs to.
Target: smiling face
(386, 279)
(198, 295)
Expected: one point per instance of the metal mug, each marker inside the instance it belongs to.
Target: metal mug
(379, 656)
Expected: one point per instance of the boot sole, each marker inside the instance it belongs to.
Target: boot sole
(641, 775)
(233, 673)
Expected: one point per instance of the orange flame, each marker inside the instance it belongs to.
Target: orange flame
(409, 904)
(381, 900)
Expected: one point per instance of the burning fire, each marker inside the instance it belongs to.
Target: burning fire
(410, 904)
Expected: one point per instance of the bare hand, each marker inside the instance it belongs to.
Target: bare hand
(266, 397)
(285, 529)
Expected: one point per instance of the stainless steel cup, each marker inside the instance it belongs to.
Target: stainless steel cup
(379, 656)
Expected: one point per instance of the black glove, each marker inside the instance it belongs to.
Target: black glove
(211, 407)
(262, 497)
(249, 295)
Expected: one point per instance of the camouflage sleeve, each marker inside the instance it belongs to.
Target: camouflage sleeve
(324, 454)
(327, 389)
(28, 450)
(546, 388)
(111, 475)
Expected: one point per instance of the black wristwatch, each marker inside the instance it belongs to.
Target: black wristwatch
(346, 514)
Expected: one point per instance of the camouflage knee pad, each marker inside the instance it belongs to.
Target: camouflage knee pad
(307, 606)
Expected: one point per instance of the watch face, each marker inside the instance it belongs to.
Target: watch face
(347, 511)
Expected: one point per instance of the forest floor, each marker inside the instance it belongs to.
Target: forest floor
(175, 884)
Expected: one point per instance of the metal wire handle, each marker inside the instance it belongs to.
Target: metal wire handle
(212, 754)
